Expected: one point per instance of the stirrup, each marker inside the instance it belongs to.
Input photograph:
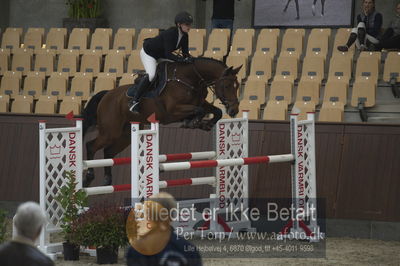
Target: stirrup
(133, 106)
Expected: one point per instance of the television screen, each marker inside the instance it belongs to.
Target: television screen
(303, 13)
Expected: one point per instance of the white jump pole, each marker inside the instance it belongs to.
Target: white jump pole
(196, 181)
(226, 162)
(161, 158)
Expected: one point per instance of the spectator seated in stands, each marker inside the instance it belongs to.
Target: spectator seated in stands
(21, 250)
(369, 24)
(391, 37)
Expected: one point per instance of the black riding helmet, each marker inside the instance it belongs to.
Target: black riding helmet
(183, 18)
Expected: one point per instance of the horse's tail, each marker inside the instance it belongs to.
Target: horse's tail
(89, 114)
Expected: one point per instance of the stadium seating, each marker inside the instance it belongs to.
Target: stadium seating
(22, 60)
(134, 62)
(4, 103)
(321, 69)
(34, 84)
(44, 61)
(68, 61)
(81, 85)
(105, 81)
(11, 39)
(292, 42)
(196, 42)
(267, 42)
(115, 63)
(392, 67)
(56, 39)
(33, 38)
(313, 68)
(4, 62)
(287, 68)
(101, 40)
(71, 104)
(261, 66)
(11, 83)
(123, 40)
(57, 85)
(243, 42)
(217, 46)
(79, 39)
(22, 104)
(46, 105)
(91, 62)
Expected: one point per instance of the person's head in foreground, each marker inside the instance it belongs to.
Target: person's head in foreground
(29, 221)
(151, 223)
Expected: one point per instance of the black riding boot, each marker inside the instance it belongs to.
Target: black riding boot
(142, 86)
(350, 41)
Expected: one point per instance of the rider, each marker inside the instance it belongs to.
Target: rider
(161, 47)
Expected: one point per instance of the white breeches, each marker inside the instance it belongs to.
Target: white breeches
(149, 63)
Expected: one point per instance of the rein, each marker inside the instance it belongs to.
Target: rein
(203, 83)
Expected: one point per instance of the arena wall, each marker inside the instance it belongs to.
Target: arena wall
(357, 164)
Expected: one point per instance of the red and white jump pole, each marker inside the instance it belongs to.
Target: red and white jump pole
(226, 162)
(210, 180)
(203, 155)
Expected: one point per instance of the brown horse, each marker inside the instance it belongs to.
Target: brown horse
(183, 99)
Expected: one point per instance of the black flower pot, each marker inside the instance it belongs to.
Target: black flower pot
(71, 251)
(107, 255)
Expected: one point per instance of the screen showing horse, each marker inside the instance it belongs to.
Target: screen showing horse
(303, 13)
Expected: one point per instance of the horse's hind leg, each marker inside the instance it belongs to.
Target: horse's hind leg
(110, 152)
(91, 148)
(323, 7)
(287, 4)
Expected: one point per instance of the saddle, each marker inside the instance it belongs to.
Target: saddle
(157, 85)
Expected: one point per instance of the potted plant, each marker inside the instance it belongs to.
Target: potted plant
(84, 14)
(3, 225)
(72, 201)
(103, 226)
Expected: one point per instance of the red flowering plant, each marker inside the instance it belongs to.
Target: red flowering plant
(84, 8)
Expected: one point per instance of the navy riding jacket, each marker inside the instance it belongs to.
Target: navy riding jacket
(165, 43)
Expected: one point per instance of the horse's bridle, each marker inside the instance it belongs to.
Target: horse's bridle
(204, 84)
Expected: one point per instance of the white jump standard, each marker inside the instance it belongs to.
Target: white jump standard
(61, 149)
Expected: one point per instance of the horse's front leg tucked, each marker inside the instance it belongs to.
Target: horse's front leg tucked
(90, 172)
(217, 115)
(195, 120)
(190, 114)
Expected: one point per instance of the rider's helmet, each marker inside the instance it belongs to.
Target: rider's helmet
(183, 18)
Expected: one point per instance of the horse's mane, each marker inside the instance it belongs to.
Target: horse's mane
(211, 59)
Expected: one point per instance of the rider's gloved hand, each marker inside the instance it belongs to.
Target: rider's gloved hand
(188, 60)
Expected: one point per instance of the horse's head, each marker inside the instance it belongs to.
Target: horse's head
(226, 89)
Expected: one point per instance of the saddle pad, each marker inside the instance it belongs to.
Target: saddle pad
(157, 85)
